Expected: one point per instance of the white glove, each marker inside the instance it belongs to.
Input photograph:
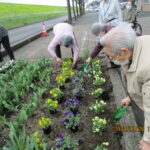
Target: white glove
(88, 61)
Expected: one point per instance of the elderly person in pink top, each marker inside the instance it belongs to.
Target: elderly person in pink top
(63, 36)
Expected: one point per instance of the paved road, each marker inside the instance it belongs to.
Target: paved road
(25, 32)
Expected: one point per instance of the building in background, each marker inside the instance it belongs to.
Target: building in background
(145, 5)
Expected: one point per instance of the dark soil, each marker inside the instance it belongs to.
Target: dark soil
(89, 139)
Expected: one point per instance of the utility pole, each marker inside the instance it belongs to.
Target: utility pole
(69, 12)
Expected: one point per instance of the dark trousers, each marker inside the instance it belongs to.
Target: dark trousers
(58, 51)
(6, 45)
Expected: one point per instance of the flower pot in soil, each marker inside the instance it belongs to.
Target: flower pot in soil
(61, 100)
(67, 80)
(45, 95)
(47, 130)
(67, 149)
(52, 112)
(75, 129)
(105, 96)
(62, 87)
(74, 110)
(79, 97)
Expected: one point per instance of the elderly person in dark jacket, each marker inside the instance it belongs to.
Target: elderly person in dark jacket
(98, 29)
(4, 39)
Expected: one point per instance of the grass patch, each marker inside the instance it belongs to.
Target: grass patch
(15, 15)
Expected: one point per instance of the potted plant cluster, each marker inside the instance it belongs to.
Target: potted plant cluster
(97, 93)
(52, 105)
(45, 123)
(39, 140)
(73, 105)
(78, 83)
(98, 107)
(65, 143)
(71, 121)
(99, 125)
(61, 80)
(57, 94)
(103, 146)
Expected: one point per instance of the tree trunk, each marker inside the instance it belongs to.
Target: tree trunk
(83, 9)
(77, 8)
(74, 10)
(80, 7)
(69, 12)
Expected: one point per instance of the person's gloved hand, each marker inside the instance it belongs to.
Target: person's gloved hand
(144, 145)
(126, 102)
(59, 61)
(74, 65)
(88, 61)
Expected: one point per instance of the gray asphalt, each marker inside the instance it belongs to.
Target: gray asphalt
(21, 33)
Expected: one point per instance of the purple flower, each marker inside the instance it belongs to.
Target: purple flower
(59, 145)
(78, 92)
(68, 114)
(61, 137)
(72, 103)
(66, 121)
(80, 142)
(73, 121)
(60, 141)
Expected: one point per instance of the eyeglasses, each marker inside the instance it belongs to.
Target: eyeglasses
(112, 57)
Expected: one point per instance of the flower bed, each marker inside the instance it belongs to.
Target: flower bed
(72, 126)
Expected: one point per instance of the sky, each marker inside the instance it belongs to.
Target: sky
(38, 2)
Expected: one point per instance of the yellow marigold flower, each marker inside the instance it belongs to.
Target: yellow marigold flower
(104, 122)
(55, 105)
(49, 100)
(43, 118)
(40, 123)
(37, 140)
(41, 145)
(36, 133)
(51, 92)
(55, 95)
(72, 73)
